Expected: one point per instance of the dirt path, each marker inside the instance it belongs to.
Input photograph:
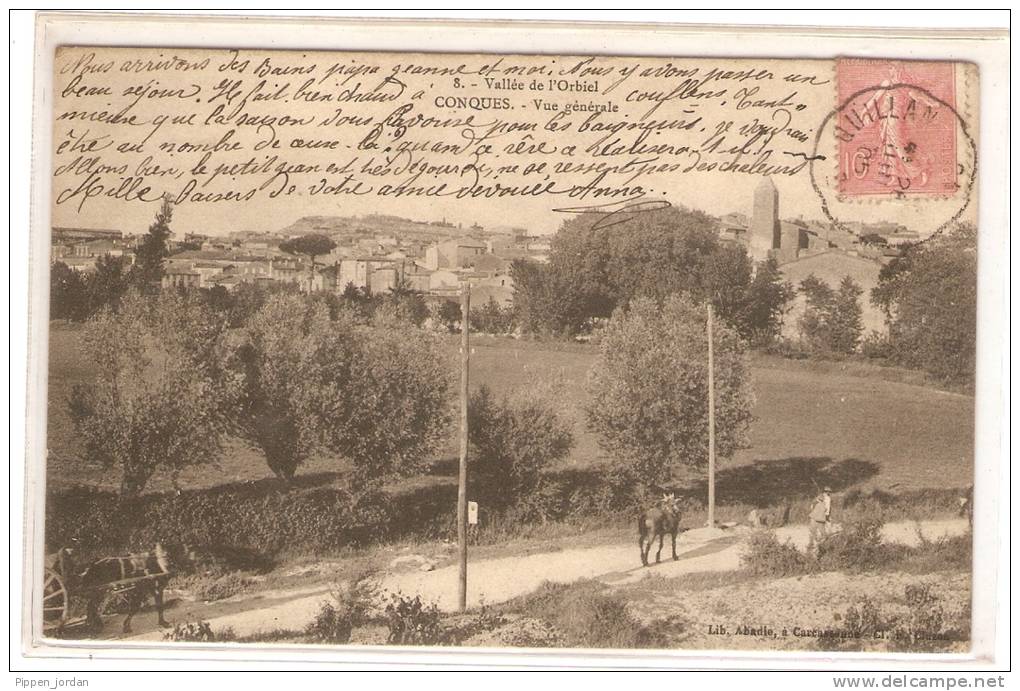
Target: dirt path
(497, 580)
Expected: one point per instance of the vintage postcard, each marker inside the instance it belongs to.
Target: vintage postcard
(509, 351)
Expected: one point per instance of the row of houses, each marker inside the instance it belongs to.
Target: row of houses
(447, 266)
(378, 264)
(81, 248)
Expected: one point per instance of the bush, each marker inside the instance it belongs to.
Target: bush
(586, 615)
(858, 547)
(765, 555)
(923, 623)
(862, 622)
(329, 626)
(513, 440)
(944, 554)
(831, 322)
(353, 602)
(412, 622)
(876, 346)
(261, 520)
(920, 628)
(492, 318)
(198, 632)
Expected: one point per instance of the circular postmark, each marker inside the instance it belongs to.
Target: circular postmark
(894, 153)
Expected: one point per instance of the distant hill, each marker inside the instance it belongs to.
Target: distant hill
(379, 224)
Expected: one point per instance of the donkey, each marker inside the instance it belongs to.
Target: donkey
(657, 522)
(153, 569)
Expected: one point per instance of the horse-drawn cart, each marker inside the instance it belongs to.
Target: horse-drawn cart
(67, 598)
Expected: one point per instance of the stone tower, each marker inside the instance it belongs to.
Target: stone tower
(764, 231)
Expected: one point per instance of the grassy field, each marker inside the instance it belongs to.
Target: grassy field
(849, 424)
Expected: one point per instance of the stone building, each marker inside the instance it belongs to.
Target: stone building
(803, 248)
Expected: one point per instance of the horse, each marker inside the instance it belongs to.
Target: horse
(148, 574)
(657, 522)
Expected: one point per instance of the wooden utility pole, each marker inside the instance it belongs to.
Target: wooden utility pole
(711, 424)
(465, 356)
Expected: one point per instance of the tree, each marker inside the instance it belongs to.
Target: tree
(67, 293)
(929, 295)
(406, 303)
(154, 249)
(162, 391)
(296, 364)
(76, 296)
(107, 285)
(513, 440)
(538, 307)
(401, 407)
(595, 267)
(846, 317)
(378, 395)
(649, 389)
(312, 245)
(814, 324)
(758, 316)
(491, 318)
(447, 314)
(831, 322)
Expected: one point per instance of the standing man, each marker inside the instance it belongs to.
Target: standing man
(818, 520)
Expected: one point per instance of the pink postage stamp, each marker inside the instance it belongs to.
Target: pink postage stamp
(896, 127)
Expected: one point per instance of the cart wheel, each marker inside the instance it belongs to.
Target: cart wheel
(55, 601)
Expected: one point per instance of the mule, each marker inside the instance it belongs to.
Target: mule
(658, 522)
(153, 571)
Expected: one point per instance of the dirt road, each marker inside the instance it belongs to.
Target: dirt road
(497, 580)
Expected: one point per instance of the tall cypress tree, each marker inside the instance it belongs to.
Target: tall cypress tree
(154, 249)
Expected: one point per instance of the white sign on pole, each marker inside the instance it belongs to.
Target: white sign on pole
(472, 513)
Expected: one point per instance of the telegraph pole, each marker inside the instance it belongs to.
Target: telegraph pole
(465, 355)
(711, 425)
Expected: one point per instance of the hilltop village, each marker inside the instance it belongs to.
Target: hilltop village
(378, 253)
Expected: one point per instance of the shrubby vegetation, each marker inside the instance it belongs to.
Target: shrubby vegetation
(857, 548)
(929, 296)
(513, 440)
(199, 632)
(163, 393)
(351, 605)
(831, 323)
(596, 267)
(765, 555)
(79, 296)
(921, 624)
(259, 522)
(411, 621)
(399, 401)
(491, 318)
(586, 614)
(172, 383)
(649, 388)
(296, 366)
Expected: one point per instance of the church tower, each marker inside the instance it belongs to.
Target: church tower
(764, 231)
